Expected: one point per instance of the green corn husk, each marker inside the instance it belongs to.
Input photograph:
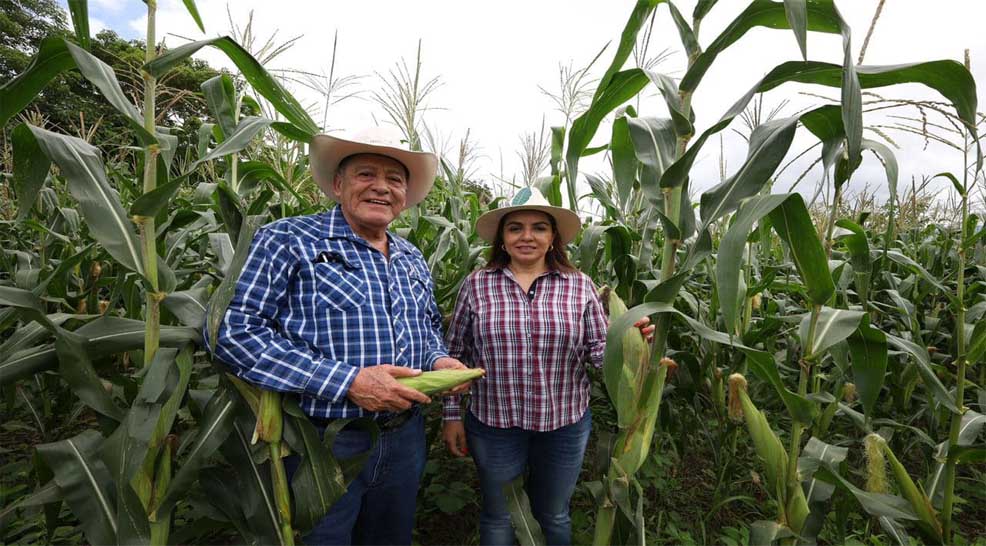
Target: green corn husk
(440, 380)
(928, 519)
(270, 420)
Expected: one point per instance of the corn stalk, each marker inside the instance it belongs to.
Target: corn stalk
(961, 362)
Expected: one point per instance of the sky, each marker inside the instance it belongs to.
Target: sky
(493, 58)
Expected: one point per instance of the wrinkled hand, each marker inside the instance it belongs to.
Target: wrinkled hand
(454, 435)
(376, 389)
(646, 328)
(449, 363)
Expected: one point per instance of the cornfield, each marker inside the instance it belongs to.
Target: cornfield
(800, 352)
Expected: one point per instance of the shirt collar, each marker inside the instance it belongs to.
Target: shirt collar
(506, 271)
(335, 226)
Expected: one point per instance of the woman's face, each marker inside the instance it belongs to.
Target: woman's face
(527, 236)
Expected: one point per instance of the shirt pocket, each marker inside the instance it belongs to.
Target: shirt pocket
(338, 284)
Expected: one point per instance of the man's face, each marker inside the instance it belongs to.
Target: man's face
(372, 190)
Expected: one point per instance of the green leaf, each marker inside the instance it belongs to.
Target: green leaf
(252, 71)
(916, 268)
(923, 361)
(220, 96)
(27, 303)
(260, 508)
(318, 482)
(84, 480)
(868, 349)
(793, 224)
(101, 75)
(51, 59)
(976, 344)
(820, 17)
(239, 139)
(702, 8)
(858, 245)
(796, 12)
(104, 336)
(213, 429)
(108, 222)
(654, 147)
(765, 533)
(189, 306)
(761, 363)
(151, 203)
(685, 32)
(79, 10)
(194, 12)
(526, 527)
(31, 167)
(624, 159)
(833, 326)
(76, 369)
(769, 144)
(224, 293)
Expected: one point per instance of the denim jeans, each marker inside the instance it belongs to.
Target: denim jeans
(554, 460)
(378, 507)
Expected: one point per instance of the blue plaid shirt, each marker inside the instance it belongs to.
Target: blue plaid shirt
(315, 303)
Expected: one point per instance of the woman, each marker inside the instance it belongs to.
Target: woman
(532, 321)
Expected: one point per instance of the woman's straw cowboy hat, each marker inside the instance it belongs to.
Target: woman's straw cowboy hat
(530, 198)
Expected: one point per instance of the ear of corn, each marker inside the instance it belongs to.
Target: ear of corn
(440, 380)
(270, 421)
(928, 519)
(770, 450)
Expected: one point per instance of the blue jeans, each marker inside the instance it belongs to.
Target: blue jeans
(378, 507)
(554, 460)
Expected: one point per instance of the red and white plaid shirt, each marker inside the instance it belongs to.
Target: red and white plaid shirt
(533, 349)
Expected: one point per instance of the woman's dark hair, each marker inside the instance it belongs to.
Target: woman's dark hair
(556, 258)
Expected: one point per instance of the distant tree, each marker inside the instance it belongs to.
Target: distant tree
(70, 104)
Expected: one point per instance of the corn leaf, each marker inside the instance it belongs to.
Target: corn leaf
(193, 10)
(101, 75)
(31, 167)
(84, 480)
(214, 428)
(79, 10)
(318, 482)
(220, 96)
(796, 12)
(52, 59)
(240, 138)
(526, 528)
(99, 203)
(252, 71)
(923, 361)
(868, 349)
(104, 336)
(224, 293)
(793, 225)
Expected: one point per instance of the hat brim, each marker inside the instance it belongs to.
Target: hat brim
(567, 222)
(328, 151)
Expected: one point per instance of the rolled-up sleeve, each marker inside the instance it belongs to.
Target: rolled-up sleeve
(595, 326)
(459, 341)
(249, 341)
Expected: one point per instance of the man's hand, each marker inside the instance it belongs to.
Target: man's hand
(454, 434)
(449, 363)
(375, 389)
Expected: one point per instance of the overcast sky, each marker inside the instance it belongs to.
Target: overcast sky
(491, 58)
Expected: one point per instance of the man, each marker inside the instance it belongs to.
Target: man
(335, 307)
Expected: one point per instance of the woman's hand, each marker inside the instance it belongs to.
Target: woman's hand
(449, 363)
(646, 328)
(454, 435)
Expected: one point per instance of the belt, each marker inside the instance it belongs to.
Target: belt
(387, 422)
